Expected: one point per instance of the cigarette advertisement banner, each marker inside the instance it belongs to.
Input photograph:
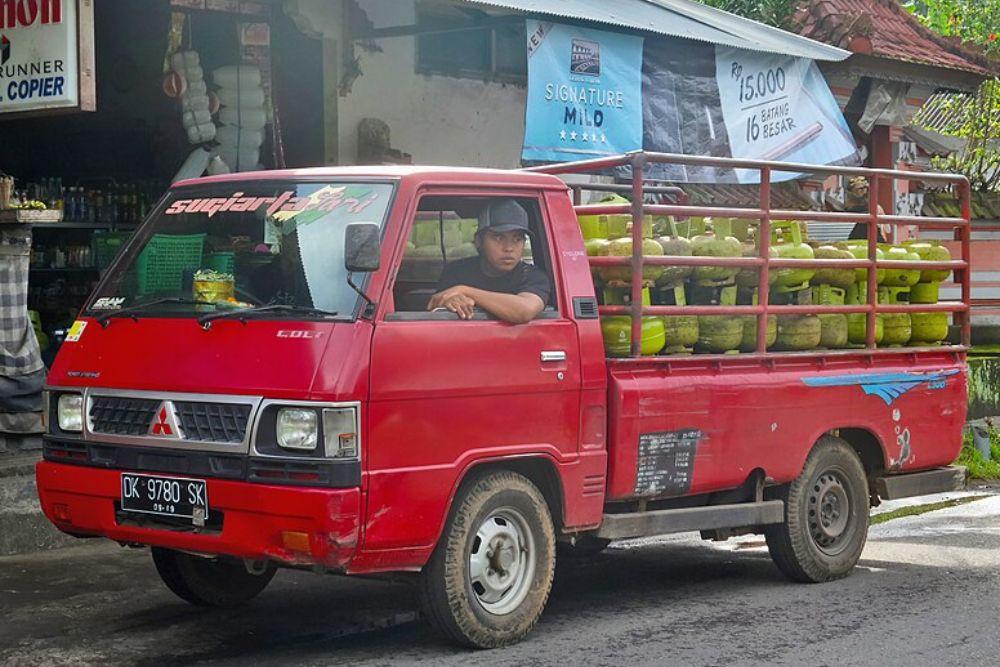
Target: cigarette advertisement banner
(703, 99)
(585, 99)
(38, 55)
(584, 93)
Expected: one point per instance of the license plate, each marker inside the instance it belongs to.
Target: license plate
(165, 496)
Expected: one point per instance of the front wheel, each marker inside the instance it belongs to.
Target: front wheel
(209, 582)
(826, 516)
(490, 576)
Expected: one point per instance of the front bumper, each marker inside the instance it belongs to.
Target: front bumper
(292, 525)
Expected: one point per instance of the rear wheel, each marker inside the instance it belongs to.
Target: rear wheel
(490, 576)
(826, 515)
(209, 582)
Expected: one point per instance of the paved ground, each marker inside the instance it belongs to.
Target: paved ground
(926, 593)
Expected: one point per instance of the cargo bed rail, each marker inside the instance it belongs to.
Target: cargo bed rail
(637, 209)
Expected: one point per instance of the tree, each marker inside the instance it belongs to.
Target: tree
(975, 21)
(772, 12)
(977, 120)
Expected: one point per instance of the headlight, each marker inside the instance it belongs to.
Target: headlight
(297, 429)
(340, 432)
(70, 413)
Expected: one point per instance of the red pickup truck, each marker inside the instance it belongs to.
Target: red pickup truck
(257, 383)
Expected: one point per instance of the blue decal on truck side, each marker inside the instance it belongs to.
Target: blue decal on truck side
(887, 386)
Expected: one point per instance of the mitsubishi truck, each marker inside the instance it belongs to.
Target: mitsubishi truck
(257, 383)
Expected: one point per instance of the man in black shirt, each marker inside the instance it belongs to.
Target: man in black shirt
(497, 280)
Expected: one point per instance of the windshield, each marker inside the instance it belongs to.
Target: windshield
(227, 246)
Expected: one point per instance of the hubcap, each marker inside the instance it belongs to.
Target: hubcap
(829, 509)
(501, 561)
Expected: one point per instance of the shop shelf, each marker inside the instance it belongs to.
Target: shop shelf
(105, 245)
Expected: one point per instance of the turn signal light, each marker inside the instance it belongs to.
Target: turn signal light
(295, 541)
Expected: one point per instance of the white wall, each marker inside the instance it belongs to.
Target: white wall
(438, 120)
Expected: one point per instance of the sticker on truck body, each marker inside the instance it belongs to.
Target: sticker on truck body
(76, 331)
(665, 464)
(887, 386)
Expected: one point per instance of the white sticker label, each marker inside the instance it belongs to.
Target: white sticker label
(109, 303)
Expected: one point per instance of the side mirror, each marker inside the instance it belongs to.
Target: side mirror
(362, 248)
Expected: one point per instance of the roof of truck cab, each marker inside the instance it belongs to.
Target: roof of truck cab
(421, 174)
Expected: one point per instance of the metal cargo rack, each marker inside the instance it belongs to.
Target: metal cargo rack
(638, 188)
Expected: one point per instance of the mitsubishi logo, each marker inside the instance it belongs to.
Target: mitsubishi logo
(165, 422)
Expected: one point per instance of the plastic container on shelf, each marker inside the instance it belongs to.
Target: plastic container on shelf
(105, 246)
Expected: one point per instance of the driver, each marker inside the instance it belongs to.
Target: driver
(497, 280)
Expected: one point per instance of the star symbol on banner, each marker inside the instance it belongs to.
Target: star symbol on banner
(572, 135)
(604, 138)
(586, 137)
(562, 135)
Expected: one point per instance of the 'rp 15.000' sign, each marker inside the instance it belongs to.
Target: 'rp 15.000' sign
(40, 54)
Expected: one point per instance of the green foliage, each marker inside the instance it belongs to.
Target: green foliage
(772, 12)
(973, 21)
(916, 510)
(977, 120)
(979, 467)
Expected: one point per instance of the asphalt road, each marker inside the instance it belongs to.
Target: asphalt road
(927, 592)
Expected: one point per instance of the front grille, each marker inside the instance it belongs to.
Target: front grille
(122, 416)
(213, 422)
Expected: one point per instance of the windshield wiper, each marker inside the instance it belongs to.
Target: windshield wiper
(130, 310)
(243, 313)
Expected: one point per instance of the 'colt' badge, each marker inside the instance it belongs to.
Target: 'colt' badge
(165, 422)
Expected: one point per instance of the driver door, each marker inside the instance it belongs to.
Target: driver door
(447, 392)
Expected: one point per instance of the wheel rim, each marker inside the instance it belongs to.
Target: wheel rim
(829, 512)
(502, 561)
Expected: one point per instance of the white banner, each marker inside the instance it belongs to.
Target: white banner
(39, 55)
(779, 108)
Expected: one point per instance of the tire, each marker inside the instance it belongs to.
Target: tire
(821, 539)
(475, 590)
(209, 582)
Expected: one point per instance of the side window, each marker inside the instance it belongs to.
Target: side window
(444, 232)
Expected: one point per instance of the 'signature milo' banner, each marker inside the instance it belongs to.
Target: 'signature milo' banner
(694, 98)
(584, 93)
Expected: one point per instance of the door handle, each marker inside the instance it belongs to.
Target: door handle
(553, 355)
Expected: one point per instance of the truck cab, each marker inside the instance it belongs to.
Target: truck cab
(257, 383)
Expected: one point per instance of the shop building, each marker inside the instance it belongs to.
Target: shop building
(105, 157)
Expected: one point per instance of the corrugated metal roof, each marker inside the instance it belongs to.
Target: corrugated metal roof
(678, 18)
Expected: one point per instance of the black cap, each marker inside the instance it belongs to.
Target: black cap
(503, 215)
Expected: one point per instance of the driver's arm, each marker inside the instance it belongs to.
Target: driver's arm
(515, 308)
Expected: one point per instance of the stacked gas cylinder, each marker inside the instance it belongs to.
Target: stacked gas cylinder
(610, 235)
(928, 327)
(454, 235)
